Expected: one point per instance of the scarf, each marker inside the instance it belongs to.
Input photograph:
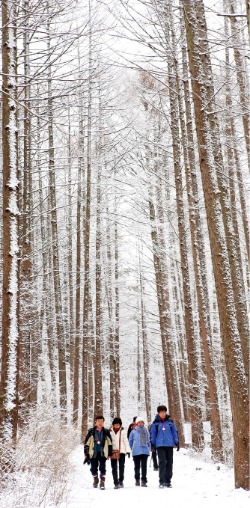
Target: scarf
(143, 436)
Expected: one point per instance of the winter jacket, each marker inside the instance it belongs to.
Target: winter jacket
(124, 446)
(106, 444)
(163, 433)
(134, 443)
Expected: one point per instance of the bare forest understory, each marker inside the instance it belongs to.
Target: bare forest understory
(124, 233)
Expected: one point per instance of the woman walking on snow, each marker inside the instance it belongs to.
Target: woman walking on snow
(139, 441)
(120, 443)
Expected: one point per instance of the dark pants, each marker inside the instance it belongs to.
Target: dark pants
(114, 464)
(140, 462)
(98, 461)
(154, 458)
(165, 456)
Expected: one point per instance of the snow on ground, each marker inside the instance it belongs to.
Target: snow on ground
(196, 484)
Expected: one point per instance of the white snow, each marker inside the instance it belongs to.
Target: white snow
(195, 483)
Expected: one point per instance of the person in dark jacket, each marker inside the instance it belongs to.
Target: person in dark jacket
(132, 426)
(153, 452)
(139, 442)
(164, 437)
(97, 448)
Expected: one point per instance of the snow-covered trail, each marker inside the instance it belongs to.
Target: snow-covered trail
(195, 484)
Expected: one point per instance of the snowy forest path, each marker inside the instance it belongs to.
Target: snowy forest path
(195, 483)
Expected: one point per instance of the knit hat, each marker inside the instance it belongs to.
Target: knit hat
(117, 420)
(139, 419)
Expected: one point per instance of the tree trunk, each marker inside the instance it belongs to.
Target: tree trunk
(241, 79)
(9, 366)
(98, 360)
(146, 358)
(194, 393)
(55, 247)
(87, 288)
(165, 325)
(112, 379)
(27, 312)
(200, 68)
(78, 270)
(198, 251)
(117, 327)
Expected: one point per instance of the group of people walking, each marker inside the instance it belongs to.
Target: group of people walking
(160, 438)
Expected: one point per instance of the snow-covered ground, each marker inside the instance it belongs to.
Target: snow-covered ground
(196, 484)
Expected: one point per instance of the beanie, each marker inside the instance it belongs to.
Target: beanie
(117, 420)
(139, 419)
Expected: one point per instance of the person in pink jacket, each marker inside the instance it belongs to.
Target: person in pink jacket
(119, 442)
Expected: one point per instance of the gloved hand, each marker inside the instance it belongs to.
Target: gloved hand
(86, 460)
(177, 447)
(128, 454)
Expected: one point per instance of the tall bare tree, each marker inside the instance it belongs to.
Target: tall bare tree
(9, 363)
(203, 91)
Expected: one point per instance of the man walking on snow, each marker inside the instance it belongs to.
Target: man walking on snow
(97, 448)
(164, 436)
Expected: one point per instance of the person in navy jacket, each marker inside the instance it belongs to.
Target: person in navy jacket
(139, 442)
(164, 436)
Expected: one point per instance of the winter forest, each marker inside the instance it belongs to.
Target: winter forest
(124, 232)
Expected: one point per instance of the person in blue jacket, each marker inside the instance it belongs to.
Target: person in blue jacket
(139, 442)
(164, 437)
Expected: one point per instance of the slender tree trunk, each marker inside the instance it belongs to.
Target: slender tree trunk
(194, 393)
(55, 246)
(138, 363)
(241, 79)
(87, 288)
(146, 364)
(112, 379)
(198, 251)
(9, 365)
(47, 305)
(165, 325)
(248, 18)
(117, 324)
(70, 282)
(98, 313)
(78, 271)
(26, 243)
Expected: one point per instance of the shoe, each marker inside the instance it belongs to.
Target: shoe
(168, 485)
(156, 469)
(137, 483)
(143, 483)
(161, 486)
(121, 485)
(102, 484)
(96, 481)
(117, 486)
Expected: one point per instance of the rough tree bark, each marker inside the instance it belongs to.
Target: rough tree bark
(9, 362)
(201, 74)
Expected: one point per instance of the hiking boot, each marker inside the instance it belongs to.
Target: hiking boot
(102, 484)
(143, 483)
(137, 483)
(96, 481)
(121, 485)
